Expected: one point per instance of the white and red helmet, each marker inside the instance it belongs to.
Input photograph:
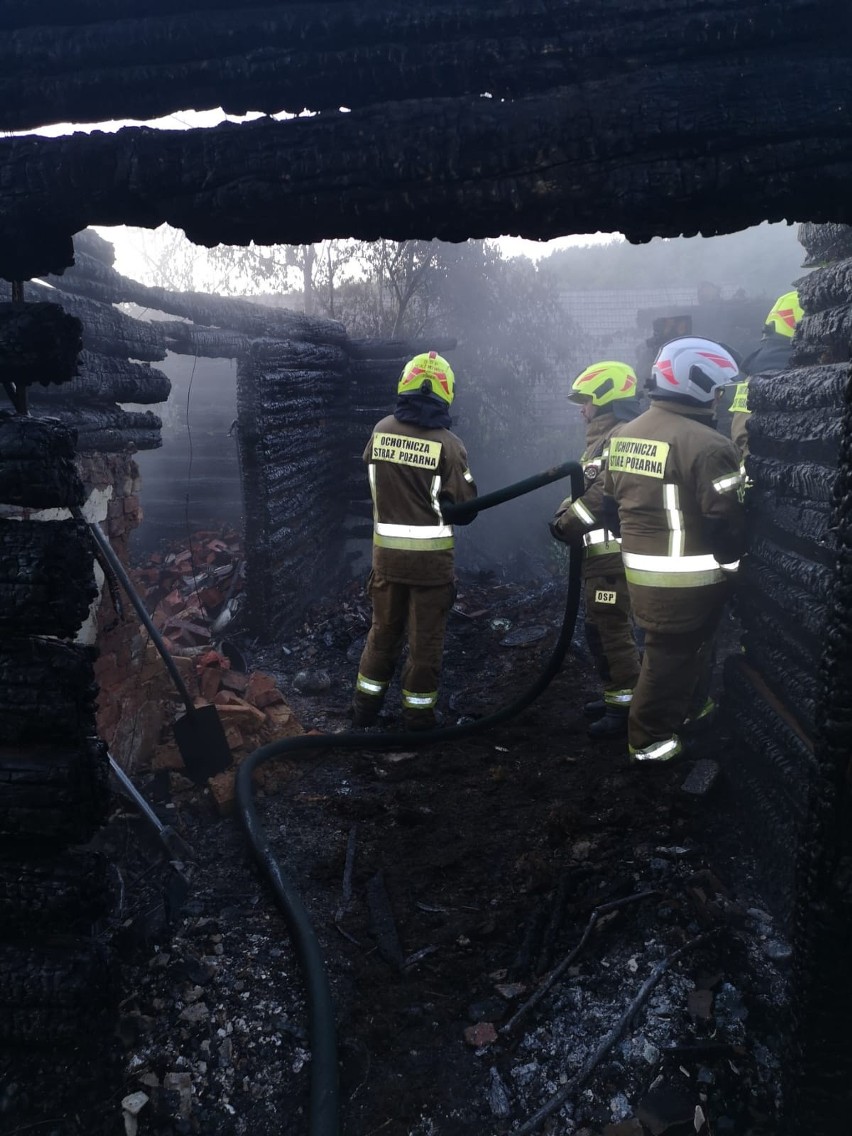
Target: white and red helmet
(693, 369)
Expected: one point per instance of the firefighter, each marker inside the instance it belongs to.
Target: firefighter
(773, 354)
(673, 491)
(414, 463)
(606, 393)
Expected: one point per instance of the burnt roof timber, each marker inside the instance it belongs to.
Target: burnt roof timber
(272, 58)
(694, 149)
(91, 278)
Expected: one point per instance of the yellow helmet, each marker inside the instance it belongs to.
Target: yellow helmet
(604, 383)
(785, 314)
(430, 368)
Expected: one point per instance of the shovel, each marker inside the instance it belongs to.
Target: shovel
(199, 733)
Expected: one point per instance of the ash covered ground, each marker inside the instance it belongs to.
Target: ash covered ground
(476, 867)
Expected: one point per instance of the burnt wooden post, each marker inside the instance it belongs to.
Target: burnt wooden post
(788, 695)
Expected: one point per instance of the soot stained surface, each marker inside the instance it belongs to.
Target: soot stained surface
(478, 864)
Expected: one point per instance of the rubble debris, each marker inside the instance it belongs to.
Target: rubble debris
(447, 842)
(382, 923)
(312, 681)
(701, 778)
(348, 869)
(523, 636)
(188, 588)
(557, 972)
(606, 1044)
(498, 1094)
(480, 1035)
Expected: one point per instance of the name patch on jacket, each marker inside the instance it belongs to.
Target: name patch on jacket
(637, 455)
(402, 450)
(740, 403)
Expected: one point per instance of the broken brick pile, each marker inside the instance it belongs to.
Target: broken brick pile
(188, 588)
(253, 713)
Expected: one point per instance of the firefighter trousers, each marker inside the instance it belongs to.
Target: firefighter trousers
(674, 681)
(422, 611)
(609, 632)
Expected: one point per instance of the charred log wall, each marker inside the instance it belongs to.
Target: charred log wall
(291, 396)
(530, 134)
(305, 413)
(789, 694)
(53, 767)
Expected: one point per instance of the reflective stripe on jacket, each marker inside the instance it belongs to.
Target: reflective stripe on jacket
(410, 468)
(582, 518)
(675, 480)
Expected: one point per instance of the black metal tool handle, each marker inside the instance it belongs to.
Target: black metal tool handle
(467, 510)
(100, 539)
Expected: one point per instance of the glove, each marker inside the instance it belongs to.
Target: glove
(610, 517)
(445, 499)
(727, 543)
(555, 533)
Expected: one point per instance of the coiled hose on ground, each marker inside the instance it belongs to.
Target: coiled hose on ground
(324, 1102)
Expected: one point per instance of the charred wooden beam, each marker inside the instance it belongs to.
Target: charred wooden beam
(397, 350)
(104, 328)
(92, 278)
(204, 342)
(47, 692)
(103, 379)
(47, 990)
(825, 243)
(112, 430)
(67, 893)
(46, 577)
(284, 57)
(39, 343)
(38, 469)
(832, 287)
(696, 147)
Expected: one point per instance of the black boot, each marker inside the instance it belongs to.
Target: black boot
(595, 709)
(612, 725)
(364, 715)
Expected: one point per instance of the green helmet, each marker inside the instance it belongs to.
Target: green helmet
(429, 368)
(603, 383)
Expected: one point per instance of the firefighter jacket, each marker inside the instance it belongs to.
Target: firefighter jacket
(773, 354)
(581, 519)
(411, 468)
(676, 483)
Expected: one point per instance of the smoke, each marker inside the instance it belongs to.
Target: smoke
(526, 330)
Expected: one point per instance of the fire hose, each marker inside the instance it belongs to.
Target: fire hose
(324, 1096)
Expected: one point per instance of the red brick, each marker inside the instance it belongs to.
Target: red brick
(267, 698)
(258, 682)
(234, 680)
(208, 683)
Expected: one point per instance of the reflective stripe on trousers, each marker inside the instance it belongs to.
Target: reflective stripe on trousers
(370, 685)
(414, 701)
(657, 751)
(618, 697)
